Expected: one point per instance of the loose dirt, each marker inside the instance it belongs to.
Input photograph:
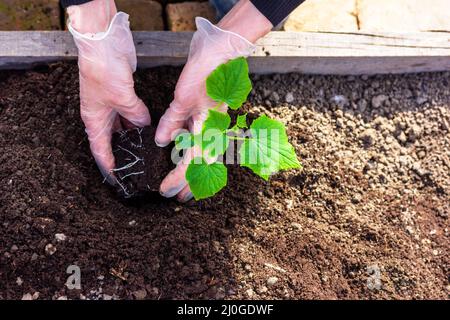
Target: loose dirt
(367, 217)
(140, 164)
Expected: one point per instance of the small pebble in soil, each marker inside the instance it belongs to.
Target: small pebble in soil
(340, 100)
(410, 229)
(368, 137)
(220, 295)
(402, 137)
(50, 249)
(275, 97)
(296, 225)
(250, 293)
(357, 198)
(421, 100)
(29, 296)
(362, 105)
(153, 291)
(60, 237)
(289, 203)
(271, 281)
(289, 97)
(421, 154)
(19, 281)
(140, 294)
(262, 289)
(414, 132)
(132, 223)
(274, 267)
(378, 101)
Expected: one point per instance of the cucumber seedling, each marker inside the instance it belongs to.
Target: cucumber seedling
(263, 146)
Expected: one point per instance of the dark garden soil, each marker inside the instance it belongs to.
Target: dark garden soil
(140, 164)
(372, 199)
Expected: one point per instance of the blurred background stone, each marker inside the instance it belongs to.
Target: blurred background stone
(323, 15)
(181, 16)
(144, 14)
(403, 15)
(30, 15)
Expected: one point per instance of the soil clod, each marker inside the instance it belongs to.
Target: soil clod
(140, 164)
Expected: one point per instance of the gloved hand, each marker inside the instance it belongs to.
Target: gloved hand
(210, 47)
(106, 63)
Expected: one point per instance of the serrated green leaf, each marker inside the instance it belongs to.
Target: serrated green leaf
(214, 138)
(241, 121)
(217, 120)
(184, 141)
(268, 150)
(204, 179)
(230, 83)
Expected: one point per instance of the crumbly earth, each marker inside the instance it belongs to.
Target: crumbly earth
(140, 164)
(367, 217)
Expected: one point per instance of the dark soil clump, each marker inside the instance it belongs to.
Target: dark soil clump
(140, 164)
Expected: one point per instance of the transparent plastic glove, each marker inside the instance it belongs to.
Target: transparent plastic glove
(210, 47)
(106, 62)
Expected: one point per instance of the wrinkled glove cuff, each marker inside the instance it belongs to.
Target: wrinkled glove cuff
(116, 41)
(233, 44)
(119, 18)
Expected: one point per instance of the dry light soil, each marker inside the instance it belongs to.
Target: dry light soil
(367, 217)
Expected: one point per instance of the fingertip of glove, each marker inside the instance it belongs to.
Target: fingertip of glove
(160, 137)
(170, 188)
(160, 144)
(187, 197)
(169, 193)
(108, 177)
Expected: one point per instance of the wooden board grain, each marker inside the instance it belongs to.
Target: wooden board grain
(307, 52)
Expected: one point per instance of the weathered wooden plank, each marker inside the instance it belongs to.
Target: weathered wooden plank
(316, 53)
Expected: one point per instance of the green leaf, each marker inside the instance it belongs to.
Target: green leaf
(214, 138)
(230, 83)
(184, 141)
(215, 143)
(217, 120)
(204, 179)
(241, 121)
(268, 150)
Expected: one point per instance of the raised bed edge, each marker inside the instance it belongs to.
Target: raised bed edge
(278, 52)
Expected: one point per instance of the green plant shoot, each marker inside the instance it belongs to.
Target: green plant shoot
(264, 148)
